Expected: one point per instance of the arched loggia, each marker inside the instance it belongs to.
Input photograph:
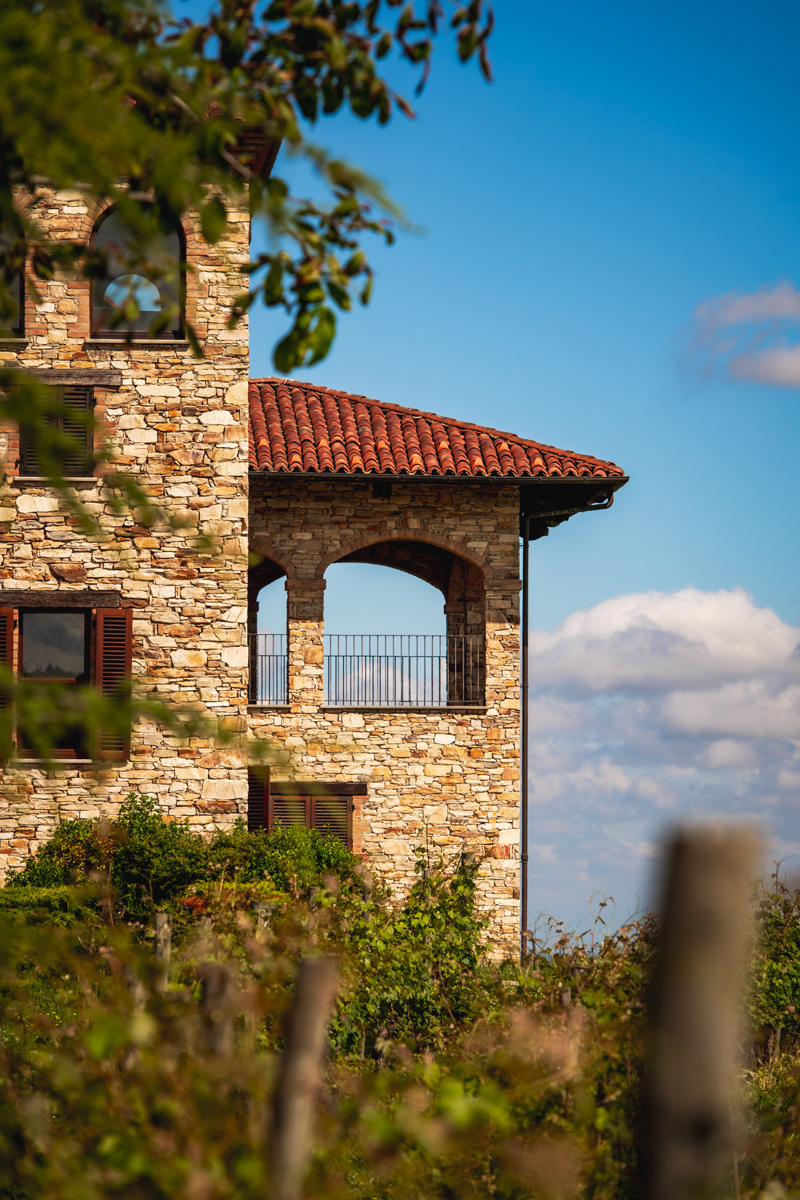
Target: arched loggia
(267, 633)
(392, 666)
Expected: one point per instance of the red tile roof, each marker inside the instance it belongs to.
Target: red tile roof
(301, 427)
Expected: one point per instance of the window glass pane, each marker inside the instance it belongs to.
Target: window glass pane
(53, 645)
(119, 283)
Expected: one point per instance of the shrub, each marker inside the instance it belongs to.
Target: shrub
(77, 852)
(59, 906)
(150, 862)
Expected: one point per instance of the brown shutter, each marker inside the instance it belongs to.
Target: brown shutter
(113, 652)
(257, 798)
(289, 809)
(331, 815)
(6, 647)
(75, 412)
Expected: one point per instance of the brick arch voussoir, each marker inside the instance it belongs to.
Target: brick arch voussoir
(455, 546)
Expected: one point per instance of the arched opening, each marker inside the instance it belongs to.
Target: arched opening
(390, 641)
(267, 633)
(140, 293)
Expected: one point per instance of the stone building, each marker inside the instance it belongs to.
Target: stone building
(384, 742)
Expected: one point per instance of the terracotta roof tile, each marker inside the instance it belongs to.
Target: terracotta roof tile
(304, 428)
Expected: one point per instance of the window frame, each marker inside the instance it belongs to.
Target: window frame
(263, 792)
(108, 659)
(96, 329)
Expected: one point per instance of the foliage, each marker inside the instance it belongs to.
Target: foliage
(150, 862)
(294, 859)
(448, 1072)
(414, 973)
(774, 997)
(59, 906)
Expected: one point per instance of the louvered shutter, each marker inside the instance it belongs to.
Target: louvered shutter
(75, 413)
(257, 798)
(6, 647)
(289, 810)
(112, 670)
(331, 815)
(71, 414)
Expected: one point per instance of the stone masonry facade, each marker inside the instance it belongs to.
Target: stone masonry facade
(447, 777)
(178, 424)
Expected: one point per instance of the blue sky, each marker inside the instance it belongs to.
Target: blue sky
(608, 263)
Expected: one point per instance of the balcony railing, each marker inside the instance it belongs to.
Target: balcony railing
(268, 668)
(379, 670)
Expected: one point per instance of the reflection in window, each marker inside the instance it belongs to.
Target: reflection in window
(54, 653)
(54, 645)
(158, 300)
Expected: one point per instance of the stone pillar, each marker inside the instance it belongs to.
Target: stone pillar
(304, 619)
(464, 613)
(503, 645)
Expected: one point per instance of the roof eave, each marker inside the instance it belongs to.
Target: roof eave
(609, 482)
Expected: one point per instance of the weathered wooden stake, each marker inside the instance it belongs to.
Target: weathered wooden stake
(163, 948)
(690, 1130)
(299, 1077)
(216, 1007)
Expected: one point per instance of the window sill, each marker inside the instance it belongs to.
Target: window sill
(14, 343)
(138, 343)
(257, 708)
(51, 763)
(82, 481)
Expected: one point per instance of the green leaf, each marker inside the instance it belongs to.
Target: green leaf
(213, 219)
(322, 335)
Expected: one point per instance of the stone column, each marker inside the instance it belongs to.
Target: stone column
(503, 645)
(304, 618)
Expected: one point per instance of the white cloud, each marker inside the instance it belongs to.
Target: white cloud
(654, 641)
(751, 336)
(649, 707)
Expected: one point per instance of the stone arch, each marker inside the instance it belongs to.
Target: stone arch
(459, 576)
(263, 547)
(350, 547)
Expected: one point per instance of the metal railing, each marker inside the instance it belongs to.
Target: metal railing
(378, 669)
(268, 668)
(400, 669)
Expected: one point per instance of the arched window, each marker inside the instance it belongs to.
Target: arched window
(141, 275)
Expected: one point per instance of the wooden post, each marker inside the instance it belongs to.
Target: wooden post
(299, 1077)
(216, 1007)
(163, 948)
(690, 1130)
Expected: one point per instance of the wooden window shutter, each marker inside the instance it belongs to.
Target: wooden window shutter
(75, 413)
(257, 798)
(333, 815)
(289, 809)
(113, 653)
(72, 415)
(6, 647)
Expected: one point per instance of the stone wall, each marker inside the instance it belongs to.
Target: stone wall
(178, 424)
(445, 777)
